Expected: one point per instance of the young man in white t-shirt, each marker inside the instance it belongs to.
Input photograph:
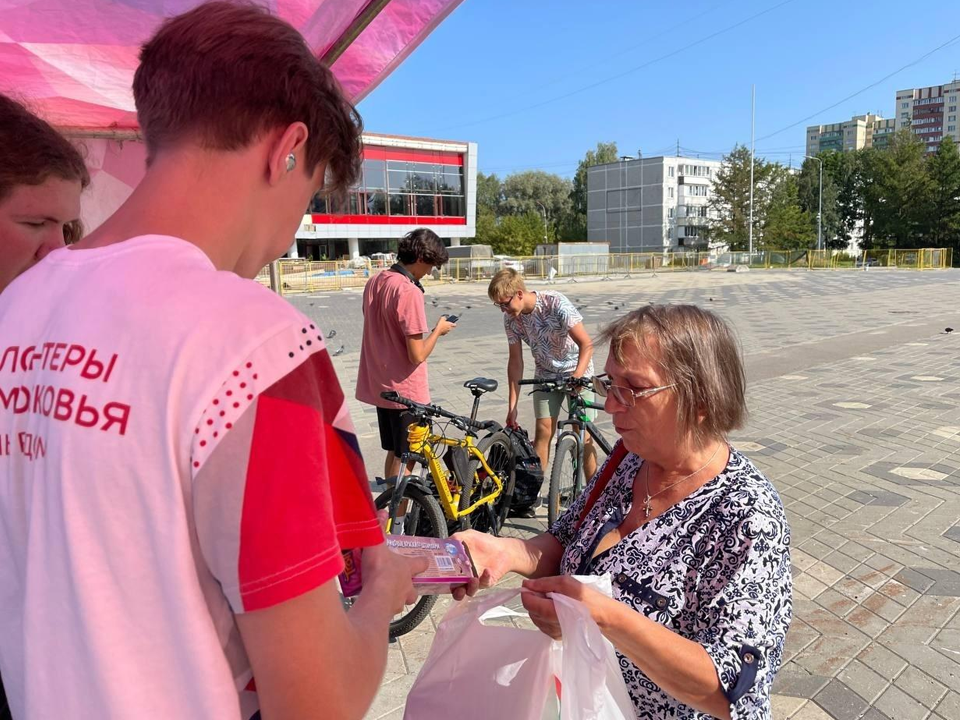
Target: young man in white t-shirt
(178, 470)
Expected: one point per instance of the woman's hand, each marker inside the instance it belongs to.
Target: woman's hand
(490, 557)
(544, 614)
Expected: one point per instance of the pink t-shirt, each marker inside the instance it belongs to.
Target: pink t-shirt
(392, 309)
(174, 450)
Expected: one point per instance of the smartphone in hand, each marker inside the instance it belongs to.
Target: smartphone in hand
(453, 318)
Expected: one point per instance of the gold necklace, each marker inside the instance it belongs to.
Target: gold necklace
(646, 483)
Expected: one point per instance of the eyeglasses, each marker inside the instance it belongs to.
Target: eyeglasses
(505, 304)
(623, 395)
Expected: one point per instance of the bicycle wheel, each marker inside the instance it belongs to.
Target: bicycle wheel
(424, 518)
(498, 451)
(565, 482)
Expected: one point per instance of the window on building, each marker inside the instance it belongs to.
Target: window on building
(905, 105)
(669, 192)
(952, 108)
(670, 212)
(951, 128)
(671, 170)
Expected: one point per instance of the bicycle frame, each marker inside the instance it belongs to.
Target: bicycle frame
(577, 417)
(422, 440)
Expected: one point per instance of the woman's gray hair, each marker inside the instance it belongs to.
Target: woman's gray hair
(698, 352)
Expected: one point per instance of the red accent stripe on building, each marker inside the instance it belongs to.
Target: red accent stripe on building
(323, 219)
(424, 156)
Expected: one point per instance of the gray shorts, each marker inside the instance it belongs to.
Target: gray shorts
(549, 404)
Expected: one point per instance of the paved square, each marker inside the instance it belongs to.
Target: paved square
(853, 392)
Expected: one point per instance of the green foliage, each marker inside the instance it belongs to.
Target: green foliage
(943, 211)
(808, 197)
(786, 225)
(518, 234)
(536, 192)
(731, 198)
(896, 190)
(489, 193)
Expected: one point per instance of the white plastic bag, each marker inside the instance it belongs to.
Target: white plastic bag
(476, 671)
(591, 684)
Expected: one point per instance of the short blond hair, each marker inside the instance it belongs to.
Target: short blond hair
(699, 352)
(506, 282)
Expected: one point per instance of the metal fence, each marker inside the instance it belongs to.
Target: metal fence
(306, 276)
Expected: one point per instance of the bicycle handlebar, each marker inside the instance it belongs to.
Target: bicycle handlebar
(566, 383)
(464, 423)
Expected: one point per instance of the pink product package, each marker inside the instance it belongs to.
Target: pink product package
(450, 564)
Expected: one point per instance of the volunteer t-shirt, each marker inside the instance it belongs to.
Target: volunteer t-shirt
(392, 309)
(174, 450)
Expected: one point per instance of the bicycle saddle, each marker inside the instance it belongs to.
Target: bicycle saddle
(481, 385)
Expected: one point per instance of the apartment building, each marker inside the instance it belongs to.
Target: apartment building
(650, 204)
(861, 131)
(930, 113)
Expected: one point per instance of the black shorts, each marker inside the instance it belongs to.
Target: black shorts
(393, 429)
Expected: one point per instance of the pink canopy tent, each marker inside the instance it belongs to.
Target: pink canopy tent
(72, 61)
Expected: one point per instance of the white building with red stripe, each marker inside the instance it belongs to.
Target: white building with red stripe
(407, 183)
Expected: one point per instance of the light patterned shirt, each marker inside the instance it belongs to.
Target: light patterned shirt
(547, 331)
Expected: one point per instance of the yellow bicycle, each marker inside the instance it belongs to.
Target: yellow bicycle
(463, 483)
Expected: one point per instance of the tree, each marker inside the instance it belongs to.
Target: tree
(896, 192)
(731, 198)
(525, 192)
(573, 226)
(808, 197)
(943, 212)
(786, 224)
(489, 193)
(846, 176)
(518, 234)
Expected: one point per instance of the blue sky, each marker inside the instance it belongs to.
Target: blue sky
(515, 75)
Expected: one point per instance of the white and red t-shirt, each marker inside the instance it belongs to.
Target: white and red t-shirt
(174, 450)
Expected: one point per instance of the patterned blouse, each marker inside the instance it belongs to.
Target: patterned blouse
(714, 568)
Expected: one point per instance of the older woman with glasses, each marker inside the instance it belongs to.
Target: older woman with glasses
(691, 532)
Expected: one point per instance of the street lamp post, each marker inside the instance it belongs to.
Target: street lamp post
(543, 210)
(819, 204)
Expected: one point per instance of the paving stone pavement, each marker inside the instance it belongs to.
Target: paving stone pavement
(853, 392)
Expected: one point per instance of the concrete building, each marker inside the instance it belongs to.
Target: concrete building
(407, 183)
(930, 113)
(650, 204)
(861, 131)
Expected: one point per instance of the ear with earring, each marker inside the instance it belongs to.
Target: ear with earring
(291, 162)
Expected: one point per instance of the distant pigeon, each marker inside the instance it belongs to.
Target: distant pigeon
(468, 306)
(616, 307)
(948, 330)
(710, 299)
(332, 333)
(339, 352)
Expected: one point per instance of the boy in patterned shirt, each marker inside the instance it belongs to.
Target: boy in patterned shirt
(553, 328)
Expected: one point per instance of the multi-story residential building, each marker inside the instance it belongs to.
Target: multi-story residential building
(861, 131)
(650, 204)
(930, 113)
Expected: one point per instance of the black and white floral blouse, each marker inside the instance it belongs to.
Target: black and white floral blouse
(714, 568)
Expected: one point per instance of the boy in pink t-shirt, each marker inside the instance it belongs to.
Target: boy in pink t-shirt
(394, 352)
